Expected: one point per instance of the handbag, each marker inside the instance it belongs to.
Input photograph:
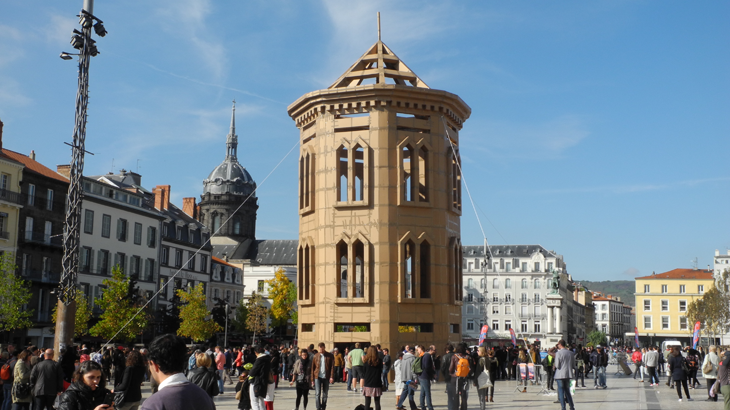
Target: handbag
(270, 379)
(484, 380)
(708, 367)
(21, 390)
(238, 394)
(118, 399)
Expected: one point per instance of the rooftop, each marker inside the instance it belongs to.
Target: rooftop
(33, 165)
(682, 274)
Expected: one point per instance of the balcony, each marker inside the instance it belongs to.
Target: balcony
(37, 275)
(42, 238)
(525, 315)
(10, 196)
(4, 235)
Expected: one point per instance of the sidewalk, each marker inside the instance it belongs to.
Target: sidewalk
(623, 393)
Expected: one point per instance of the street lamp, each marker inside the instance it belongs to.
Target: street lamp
(225, 337)
(66, 292)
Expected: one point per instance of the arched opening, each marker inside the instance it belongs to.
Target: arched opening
(425, 268)
(342, 268)
(407, 164)
(359, 253)
(423, 174)
(409, 262)
(342, 172)
(359, 154)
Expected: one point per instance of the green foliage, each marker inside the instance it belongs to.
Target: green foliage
(292, 298)
(14, 293)
(82, 315)
(282, 304)
(239, 317)
(193, 315)
(119, 310)
(624, 289)
(596, 338)
(711, 310)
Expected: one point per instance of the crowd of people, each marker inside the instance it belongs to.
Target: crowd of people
(183, 377)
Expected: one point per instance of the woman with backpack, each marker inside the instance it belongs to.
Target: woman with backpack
(301, 375)
(693, 363)
(204, 376)
(547, 364)
(461, 374)
(678, 369)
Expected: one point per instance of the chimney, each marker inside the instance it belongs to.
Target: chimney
(717, 252)
(190, 208)
(162, 197)
(137, 178)
(32, 155)
(64, 170)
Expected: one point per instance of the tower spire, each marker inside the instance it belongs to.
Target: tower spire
(379, 26)
(232, 139)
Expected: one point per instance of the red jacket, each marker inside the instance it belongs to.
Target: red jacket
(239, 359)
(636, 357)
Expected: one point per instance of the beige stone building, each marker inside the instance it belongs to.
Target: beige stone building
(379, 256)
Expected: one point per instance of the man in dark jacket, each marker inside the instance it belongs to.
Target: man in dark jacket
(47, 381)
(322, 364)
(260, 374)
(387, 364)
(425, 377)
(445, 362)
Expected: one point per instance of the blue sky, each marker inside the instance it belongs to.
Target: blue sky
(598, 129)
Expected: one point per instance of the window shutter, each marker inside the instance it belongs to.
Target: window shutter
(91, 259)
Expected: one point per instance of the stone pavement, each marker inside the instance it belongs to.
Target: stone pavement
(623, 393)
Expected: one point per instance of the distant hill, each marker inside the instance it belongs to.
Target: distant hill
(622, 288)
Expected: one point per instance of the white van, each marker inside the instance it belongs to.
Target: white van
(668, 344)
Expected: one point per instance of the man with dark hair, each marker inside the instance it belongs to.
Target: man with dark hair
(387, 363)
(167, 360)
(260, 374)
(445, 363)
(47, 381)
(425, 376)
(564, 364)
(322, 364)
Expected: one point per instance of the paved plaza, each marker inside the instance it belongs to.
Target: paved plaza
(623, 393)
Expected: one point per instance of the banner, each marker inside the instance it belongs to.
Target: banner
(483, 334)
(636, 336)
(514, 338)
(696, 337)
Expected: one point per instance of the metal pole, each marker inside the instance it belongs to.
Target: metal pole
(66, 312)
(225, 337)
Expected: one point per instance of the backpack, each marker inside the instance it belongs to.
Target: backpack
(462, 367)
(692, 361)
(5, 372)
(416, 366)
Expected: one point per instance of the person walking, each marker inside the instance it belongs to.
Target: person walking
(260, 374)
(131, 382)
(204, 376)
(87, 390)
(677, 367)
(302, 375)
(219, 366)
(636, 358)
(339, 363)
(387, 364)
(244, 399)
(522, 359)
(581, 358)
(601, 364)
(445, 363)
(348, 369)
(651, 360)
(47, 381)
(693, 363)
(711, 363)
(427, 371)
(322, 364)
(564, 365)
(397, 380)
(461, 371)
(355, 359)
(21, 375)
(482, 364)
(723, 377)
(407, 377)
(547, 364)
(373, 374)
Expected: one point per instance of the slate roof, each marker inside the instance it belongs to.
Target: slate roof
(682, 274)
(507, 251)
(262, 252)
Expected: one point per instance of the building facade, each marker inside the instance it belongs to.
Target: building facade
(379, 258)
(662, 300)
(40, 241)
(11, 200)
(120, 227)
(609, 317)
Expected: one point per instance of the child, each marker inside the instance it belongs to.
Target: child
(244, 403)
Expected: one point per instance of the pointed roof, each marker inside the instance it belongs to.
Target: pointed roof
(379, 62)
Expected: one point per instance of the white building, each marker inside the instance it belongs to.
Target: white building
(721, 263)
(118, 227)
(611, 317)
(226, 283)
(511, 291)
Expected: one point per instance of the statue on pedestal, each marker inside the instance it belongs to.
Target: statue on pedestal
(555, 284)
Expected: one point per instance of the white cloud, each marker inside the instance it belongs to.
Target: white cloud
(632, 272)
(59, 30)
(548, 140)
(10, 47)
(11, 95)
(187, 19)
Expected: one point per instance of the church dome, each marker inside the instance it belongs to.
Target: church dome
(230, 177)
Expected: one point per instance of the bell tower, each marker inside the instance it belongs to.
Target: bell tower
(379, 256)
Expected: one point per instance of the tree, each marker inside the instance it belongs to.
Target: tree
(14, 293)
(239, 317)
(194, 321)
(119, 313)
(257, 315)
(711, 310)
(83, 314)
(596, 338)
(292, 296)
(282, 304)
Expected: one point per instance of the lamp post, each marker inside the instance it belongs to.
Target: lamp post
(66, 292)
(225, 337)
